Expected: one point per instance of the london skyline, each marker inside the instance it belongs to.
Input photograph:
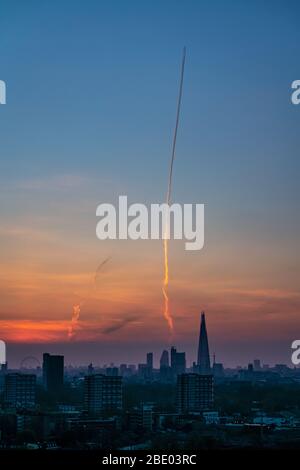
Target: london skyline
(198, 355)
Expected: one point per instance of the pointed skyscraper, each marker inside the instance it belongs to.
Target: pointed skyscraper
(203, 362)
(195, 392)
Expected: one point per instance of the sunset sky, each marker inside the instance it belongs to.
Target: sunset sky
(91, 100)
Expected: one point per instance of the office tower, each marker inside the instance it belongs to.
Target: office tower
(173, 357)
(203, 361)
(102, 393)
(145, 371)
(256, 364)
(53, 372)
(150, 360)
(178, 363)
(217, 368)
(20, 390)
(165, 371)
(164, 360)
(194, 393)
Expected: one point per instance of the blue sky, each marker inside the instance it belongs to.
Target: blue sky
(92, 88)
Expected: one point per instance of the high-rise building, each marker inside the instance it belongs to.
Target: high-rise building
(194, 393)
(165, 371)
(53, 372)
(20, 390)
(203, 362)
(256, 364)
(102, 393)
(145, 371)
(150, 360)
(164, 360)
(178, 362)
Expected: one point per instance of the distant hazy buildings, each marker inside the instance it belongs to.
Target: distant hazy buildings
(102, 393)
(20, 390)
(218, 369)
(53, 372)
(127, 370)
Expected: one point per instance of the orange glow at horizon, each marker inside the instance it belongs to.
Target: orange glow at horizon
(235, 309)
(40, 286)
(22, 331)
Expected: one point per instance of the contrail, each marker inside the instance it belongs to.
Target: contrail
(77, 307)
(74, 320)
(167, 313)
(96, 278)
(119, 325)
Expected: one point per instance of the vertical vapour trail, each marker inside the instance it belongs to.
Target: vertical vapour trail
(167, 313)
(77, 308)
(74, 320)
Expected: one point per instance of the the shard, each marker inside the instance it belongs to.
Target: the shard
(203, 362)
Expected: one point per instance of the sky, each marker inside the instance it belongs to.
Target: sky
(91, 101)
